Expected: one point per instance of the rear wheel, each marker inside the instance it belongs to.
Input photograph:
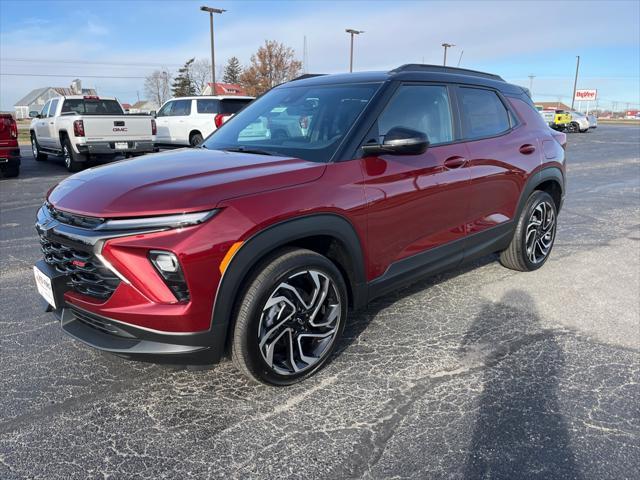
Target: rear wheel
(534, 235)
(290, 318)
(195, 139)
(72, 160)
(35, 148)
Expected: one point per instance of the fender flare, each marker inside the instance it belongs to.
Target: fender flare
(278, 235)
(541, 176)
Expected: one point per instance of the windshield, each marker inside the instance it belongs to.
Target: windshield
(302, 122)
(92, 107)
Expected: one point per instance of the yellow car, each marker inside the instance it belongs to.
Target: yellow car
(561, 121)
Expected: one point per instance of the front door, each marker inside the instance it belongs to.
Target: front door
(416, 202)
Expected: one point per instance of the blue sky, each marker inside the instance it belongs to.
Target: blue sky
(131, 38)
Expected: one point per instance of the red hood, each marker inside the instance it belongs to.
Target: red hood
(186, 180)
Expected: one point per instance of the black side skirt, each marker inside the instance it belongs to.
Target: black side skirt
(440, 259)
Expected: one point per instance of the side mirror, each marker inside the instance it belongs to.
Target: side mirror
(34, 114)
(399, 141)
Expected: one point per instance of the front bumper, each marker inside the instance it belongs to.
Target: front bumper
(109, 148)
(127, 322)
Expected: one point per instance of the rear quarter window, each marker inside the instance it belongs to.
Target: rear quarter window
(483, 113)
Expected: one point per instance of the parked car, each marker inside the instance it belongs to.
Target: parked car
(561, 121)
(593, 121)
(261, 245)
(9, 149)
(186, 121)
(579, 122)
(78, 127)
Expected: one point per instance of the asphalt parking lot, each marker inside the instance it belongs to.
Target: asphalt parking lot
(480, 373)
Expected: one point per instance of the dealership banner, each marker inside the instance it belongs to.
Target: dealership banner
(588, 95)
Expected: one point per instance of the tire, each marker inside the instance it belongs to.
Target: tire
(573, 127)
(11, 172)
(72, 160)
(35, 148)
(277, 339)
(195, 139)
(532, 242)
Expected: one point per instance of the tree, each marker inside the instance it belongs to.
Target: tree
(157, 87)
(183, 83)
(232, 71)
(272, 64)
(200, 75)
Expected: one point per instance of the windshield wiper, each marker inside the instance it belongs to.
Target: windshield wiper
(256, 151)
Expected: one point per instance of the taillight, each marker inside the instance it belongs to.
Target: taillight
(13, 128)
(219, 119)
(154, 127)
(78, 128)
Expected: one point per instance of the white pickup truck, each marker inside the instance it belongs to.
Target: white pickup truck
(78, 127)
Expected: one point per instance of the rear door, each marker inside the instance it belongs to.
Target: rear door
(163, 134)
(502, 152)
(416, 202)
(178, 122)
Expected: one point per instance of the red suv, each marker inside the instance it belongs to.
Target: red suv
(326, 192)
(9, 149)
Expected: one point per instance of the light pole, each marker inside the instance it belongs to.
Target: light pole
(575, 82)
(213, 58)
(531, 77)
(446, 46)
(352, 32)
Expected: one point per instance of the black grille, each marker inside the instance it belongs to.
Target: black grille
(85, 272)
(75, 220)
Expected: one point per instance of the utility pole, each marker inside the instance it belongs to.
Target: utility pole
(211, 11)
(305, 60)
(575, 82)
(352, 32)
(446, 46)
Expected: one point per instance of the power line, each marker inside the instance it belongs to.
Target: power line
(66, 75)
(89, 62)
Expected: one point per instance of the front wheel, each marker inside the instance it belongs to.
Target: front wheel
(35, 148)
(534, 235)
(290, 318)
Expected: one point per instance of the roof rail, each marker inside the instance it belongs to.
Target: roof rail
(307, 75)
(418, 67)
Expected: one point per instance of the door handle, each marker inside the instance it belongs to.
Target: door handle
(527, 149)
(455, 162)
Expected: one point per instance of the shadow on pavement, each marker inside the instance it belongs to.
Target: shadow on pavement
(519, 432)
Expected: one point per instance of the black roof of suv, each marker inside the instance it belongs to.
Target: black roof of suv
(416, 72)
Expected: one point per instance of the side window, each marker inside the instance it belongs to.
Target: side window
(483, 113)
(165, 111)
(208, 105)
(45, 109)
(52, 108)
(181, 108)
(424, 108)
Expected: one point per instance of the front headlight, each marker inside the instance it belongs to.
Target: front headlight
(160, 221)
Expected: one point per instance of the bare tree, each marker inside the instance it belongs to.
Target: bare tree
(157, 86)
(200, 74)
(272, 64)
